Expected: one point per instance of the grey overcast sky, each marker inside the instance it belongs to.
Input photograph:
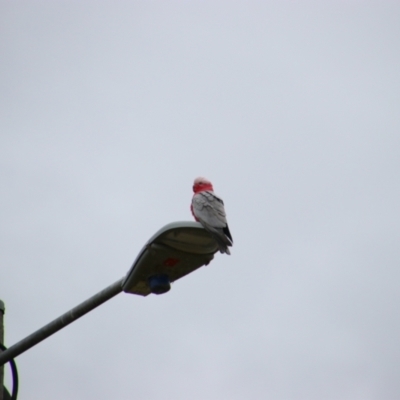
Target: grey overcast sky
(110, 109)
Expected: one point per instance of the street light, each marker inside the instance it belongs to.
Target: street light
(174, 251)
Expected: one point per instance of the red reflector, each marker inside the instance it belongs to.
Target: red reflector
(170, 262)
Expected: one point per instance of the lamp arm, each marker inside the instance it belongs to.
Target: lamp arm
(62, 321)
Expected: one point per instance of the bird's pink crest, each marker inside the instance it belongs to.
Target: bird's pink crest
(201, 179)
(201, 184)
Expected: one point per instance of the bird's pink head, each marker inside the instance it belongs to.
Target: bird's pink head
(200, 184)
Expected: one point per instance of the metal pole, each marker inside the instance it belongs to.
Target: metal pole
(2, 311)
(61, 322)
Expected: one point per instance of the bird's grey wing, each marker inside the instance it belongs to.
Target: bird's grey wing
(209, 209)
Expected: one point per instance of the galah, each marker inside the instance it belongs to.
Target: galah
(208, 209)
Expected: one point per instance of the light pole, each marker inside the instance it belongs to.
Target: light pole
(174, 251)
(2, 310)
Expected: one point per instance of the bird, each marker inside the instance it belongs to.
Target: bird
(208, 209)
